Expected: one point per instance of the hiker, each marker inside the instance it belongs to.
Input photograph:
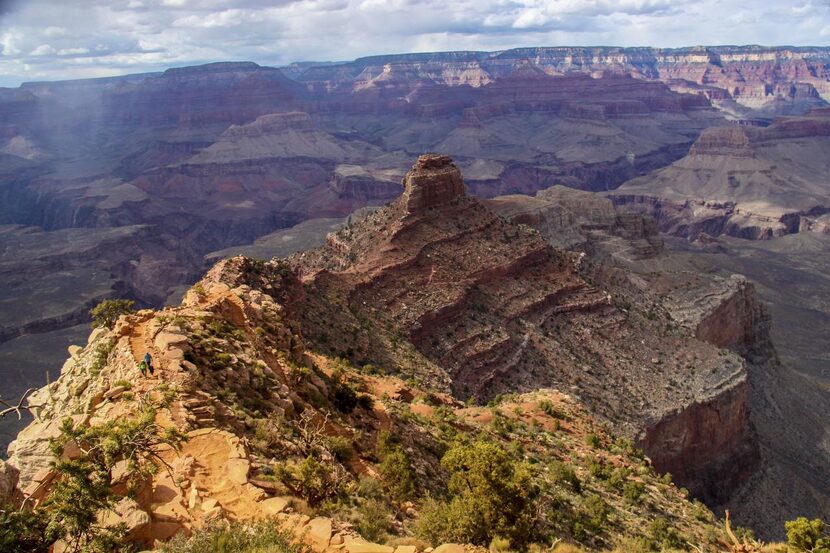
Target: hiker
(149, 362)
(143, 367)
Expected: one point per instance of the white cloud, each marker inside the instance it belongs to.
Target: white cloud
(56, 39)
(43, 50)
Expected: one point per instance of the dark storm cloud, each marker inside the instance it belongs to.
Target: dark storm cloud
(54, 39)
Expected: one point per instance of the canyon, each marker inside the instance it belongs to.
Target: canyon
(670, 170)
(405, 294)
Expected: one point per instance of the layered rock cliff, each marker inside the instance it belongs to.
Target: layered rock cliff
(755, 183)
(258, 404)
(489, 307)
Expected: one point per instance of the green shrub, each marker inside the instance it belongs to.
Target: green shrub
(102, 354)
(24, 531)
(565, 475)
(313, 481)
(618, 477)
(386, 441)
(373, 521)
(597, 468)
(701, 512)
(664, 536)
(340, 447)
(82, 485)
(397, 474)
(261, 537)
(499, 545)
(594, 514)
(546, 406)
(807, 535)
(490, 495)
(365, 402)
(107, 312)
(633, 491)
(344, 398)
(592, 440)
(502, 424)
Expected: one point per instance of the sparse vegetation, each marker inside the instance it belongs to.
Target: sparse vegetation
(82, 485)
(107, 312)
(396, 473)
(233, 537)
(807, 535)
(490, 495)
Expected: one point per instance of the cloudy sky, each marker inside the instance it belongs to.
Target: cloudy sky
(60, 39)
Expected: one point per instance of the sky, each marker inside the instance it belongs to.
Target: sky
(65, 39)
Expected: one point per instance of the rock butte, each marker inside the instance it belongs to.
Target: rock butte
(433, 181)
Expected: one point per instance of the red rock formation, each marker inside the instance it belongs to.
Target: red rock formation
(466, 300)
(433, 181)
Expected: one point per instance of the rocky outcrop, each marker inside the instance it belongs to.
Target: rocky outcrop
(8, 483)
(489, 307)
(433, 181)
(588, 222)
(737, 319)
(723, 141)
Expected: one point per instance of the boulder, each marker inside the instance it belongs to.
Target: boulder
(366, 547)
(114, 393)
(449, 548)
(8, 482)
(274, 505)
(131, 515)
(319, 532)
(238, 470)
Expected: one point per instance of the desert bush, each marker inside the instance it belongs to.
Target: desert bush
(373, 520)
(807, 535)
(663, 535)
(633, 491)
(499, 545)
(365, 402)
(107, 312)
(397, 474)
(344, 398)
(261, 537)
(340, 447)
(564, 475)
(502, 424)
(24, 531)
(490, 495)
(594, 514)
(386, 441)
(313, 481)
(618, 477)
(82, 485)
(101, 355)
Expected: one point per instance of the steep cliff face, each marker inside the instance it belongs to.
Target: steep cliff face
(434, 181)
(706, 445)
